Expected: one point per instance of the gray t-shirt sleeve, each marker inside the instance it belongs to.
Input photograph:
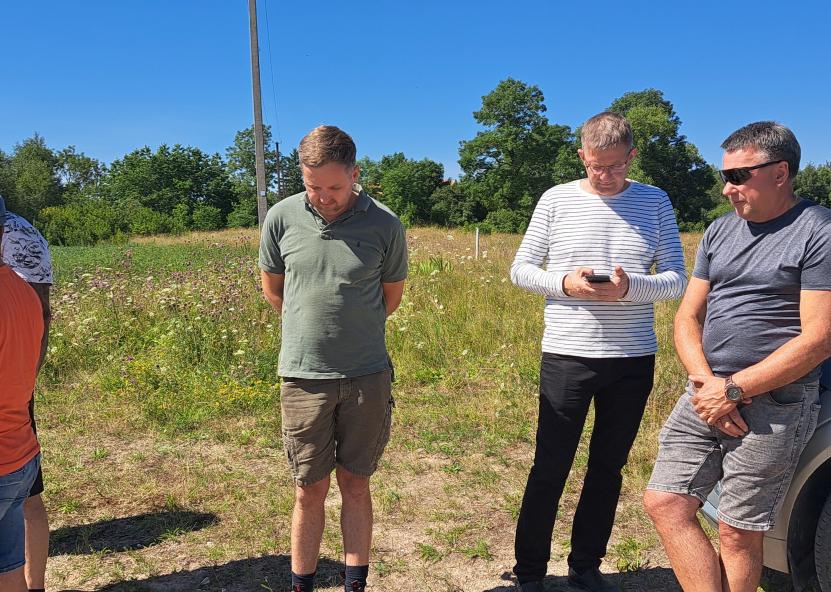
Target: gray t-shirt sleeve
(816, 271)
(394, 267)
(271, 260)
(702, 258)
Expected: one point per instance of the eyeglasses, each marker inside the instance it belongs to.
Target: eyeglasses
(612, 168)
(740, 175)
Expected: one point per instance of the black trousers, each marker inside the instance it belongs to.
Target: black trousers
(620, 388)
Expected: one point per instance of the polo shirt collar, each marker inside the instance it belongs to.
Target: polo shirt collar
(361, 204)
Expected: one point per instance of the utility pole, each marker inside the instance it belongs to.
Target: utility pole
(259, 149)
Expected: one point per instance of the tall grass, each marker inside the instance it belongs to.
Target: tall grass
(160, 391)
(179, 333)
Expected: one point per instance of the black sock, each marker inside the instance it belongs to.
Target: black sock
(37, 590)
(302, 583)
(355, 578)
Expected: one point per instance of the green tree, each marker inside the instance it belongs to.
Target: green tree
(665, 157)
(31, 179)
(6, 176)
(814, 182)
(291, 174)
(80, 175)
(241, 161)
(406, 186)
(513, 161)
(454, 205)
(160, 180)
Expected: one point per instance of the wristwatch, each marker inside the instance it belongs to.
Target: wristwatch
(732, 391)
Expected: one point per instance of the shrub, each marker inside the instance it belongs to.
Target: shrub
(146, 221)
(180, 219)
(80, 223)
(504, 220)
(244, 213)
(207, 217)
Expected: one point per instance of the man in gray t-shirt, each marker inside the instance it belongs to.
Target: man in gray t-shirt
(753, 327)
(333, 264)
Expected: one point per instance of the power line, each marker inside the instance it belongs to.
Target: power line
(271, 69)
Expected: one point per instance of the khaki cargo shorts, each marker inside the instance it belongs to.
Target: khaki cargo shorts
(339, 420)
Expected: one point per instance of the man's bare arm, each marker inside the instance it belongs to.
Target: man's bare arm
(689, 327)
(393, 291)
(273, 288)
(42, 290)
(798, 356)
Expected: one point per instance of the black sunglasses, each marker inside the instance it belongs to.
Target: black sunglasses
(742, 174)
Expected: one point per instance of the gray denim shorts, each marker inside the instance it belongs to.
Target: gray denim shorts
(755, 470)
(343, 420)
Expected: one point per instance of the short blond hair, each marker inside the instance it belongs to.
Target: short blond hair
(606, 130)
(325, 144)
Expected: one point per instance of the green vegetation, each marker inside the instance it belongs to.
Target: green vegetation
(506, 166)
(159, 416)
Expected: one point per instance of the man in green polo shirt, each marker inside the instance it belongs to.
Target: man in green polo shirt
(333, 263)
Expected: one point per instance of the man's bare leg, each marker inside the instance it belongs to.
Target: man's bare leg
(13, 581)
(36, 522)
(741, 558)
(355, 516)
(307, 524)
(693, 559)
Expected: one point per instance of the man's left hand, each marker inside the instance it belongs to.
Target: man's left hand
(616, 289)
(709, 400)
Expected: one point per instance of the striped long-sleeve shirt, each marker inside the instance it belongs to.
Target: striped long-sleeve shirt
(572, 228)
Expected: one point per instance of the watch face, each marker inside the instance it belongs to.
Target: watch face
(734, 394)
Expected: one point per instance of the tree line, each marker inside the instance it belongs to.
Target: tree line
(75, 199)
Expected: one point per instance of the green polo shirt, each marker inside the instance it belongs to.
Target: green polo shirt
(333, 304)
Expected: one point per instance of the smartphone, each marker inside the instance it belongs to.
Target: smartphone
(598, 278)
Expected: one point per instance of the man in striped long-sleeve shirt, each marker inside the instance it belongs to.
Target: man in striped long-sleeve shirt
(590, 249)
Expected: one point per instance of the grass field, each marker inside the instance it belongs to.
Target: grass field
(159, 416)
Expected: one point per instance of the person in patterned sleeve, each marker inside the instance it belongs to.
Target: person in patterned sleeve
(26, 252)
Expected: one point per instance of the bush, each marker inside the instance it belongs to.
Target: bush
(244, 214)
(81, 223)
(146, 221)
(505, 220)
(207, 217)
(180, 219)
(453, 206)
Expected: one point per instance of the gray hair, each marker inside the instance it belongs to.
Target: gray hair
(606, 130)
(772, 139)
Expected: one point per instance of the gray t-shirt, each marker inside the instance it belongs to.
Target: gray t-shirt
(756, 273)
(333, 304)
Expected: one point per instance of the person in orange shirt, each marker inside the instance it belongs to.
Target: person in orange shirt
(21, 330)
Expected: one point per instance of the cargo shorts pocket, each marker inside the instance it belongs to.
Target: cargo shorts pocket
(384, 435)
(290, 448)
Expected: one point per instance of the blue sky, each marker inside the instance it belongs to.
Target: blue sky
(113, 76)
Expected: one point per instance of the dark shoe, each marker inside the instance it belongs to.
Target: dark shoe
(532, 587)
(592, 580)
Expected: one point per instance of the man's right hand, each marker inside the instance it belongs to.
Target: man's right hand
(575, 284)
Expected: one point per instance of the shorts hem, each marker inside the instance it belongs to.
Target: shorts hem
(358, 472)
(679, 490)
(13, 567)
(305, 482)
(744, 525)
